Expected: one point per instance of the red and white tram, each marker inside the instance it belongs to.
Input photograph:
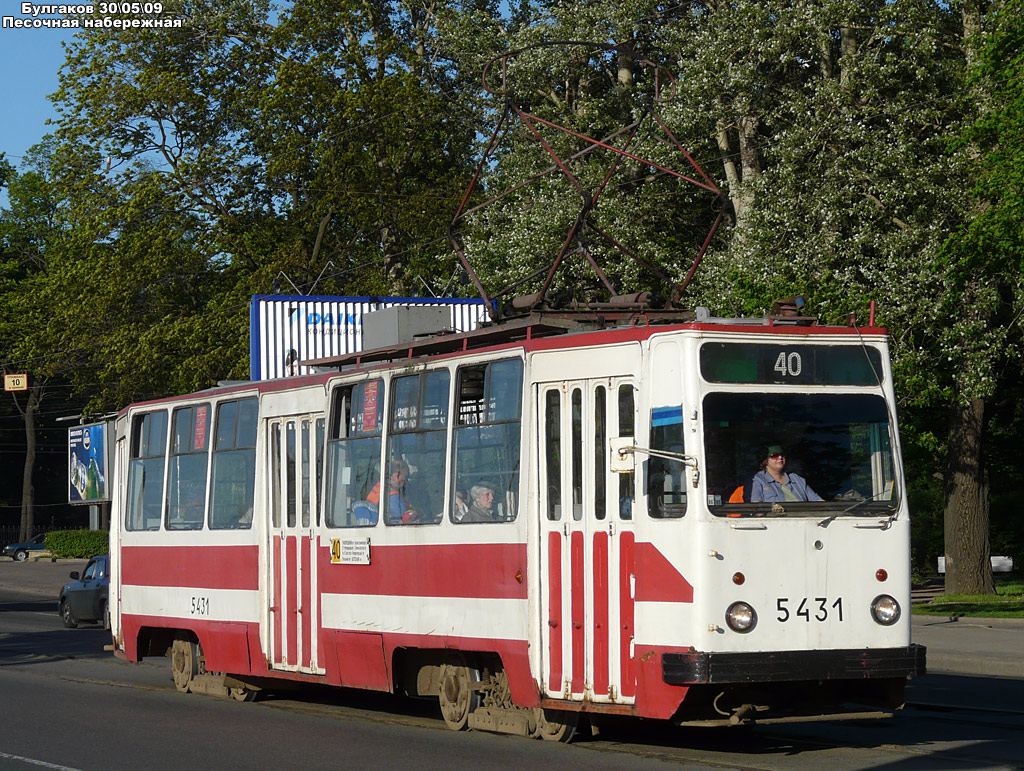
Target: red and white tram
(532, 522)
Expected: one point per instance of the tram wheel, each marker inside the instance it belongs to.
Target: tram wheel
(457, 696)
(555, 725)
(184, 664)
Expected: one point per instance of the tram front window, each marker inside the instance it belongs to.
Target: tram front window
(839, 444)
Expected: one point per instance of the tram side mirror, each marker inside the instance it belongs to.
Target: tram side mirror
(623, 459)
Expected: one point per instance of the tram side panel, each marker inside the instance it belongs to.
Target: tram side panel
(186, 531)
(412, 588)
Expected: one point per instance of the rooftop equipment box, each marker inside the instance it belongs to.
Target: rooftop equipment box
(399, 326)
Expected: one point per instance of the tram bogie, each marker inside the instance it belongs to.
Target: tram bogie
(549, 529)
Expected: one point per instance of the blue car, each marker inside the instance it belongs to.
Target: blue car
(19, 551)
(85, 598)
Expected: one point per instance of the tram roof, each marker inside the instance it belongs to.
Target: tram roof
(540, 325)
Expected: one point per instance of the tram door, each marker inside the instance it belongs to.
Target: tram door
(586, 528)
(294, 471)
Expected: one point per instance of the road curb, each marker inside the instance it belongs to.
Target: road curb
(953, 664)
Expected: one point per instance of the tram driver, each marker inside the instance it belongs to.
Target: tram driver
(773, 485)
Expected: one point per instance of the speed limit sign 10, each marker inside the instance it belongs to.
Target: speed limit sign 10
(15, 382)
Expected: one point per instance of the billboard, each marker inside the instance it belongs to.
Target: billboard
(287, 329)
(89, 462)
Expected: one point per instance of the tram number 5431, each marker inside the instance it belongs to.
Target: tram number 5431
(200, 606)
(789, 364)
(817, 608)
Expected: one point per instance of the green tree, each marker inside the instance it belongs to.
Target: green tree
(596, 86)
(29, 227)
(982, 268)
(312, 141)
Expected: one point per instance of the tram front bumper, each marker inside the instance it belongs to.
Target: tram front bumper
(789, 666)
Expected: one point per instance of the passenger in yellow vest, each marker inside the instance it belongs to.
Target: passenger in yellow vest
(399, 510)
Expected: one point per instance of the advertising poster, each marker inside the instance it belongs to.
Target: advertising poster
(285, 330)
(88, 462)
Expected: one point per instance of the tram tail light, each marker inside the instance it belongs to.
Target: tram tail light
(885, 610)
(741, 617)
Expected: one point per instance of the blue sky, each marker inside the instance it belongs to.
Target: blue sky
(29, 60)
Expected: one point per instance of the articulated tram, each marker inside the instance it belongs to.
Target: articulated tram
(537, 523)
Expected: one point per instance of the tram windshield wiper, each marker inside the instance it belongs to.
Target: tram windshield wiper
(890, 509)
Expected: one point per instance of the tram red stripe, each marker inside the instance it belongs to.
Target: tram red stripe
(277, 607)
(320, 653)
(579, 602)
(627, 686)
(307, 601)
(657, 579)
(600, 613)
(554, 612)
(291, 652)
(487, 571)
(203, 567)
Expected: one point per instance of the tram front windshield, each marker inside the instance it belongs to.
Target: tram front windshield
(834, 446)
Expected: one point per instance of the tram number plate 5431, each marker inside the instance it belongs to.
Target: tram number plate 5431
(200, 606)
(808, 608)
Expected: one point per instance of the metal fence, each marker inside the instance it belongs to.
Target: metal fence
(12, 533)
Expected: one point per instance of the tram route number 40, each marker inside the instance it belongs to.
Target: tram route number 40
(789, 364)
(817, 608)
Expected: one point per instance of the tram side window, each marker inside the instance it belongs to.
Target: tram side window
(553, 453)
(186, 493)
(146, 472)
(353, 455)
(234, 465)
(626, 428)
(417, 450)
(485, 477)
(666, 478)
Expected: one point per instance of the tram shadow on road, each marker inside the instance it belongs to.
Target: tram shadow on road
(939, 691)
(35, 645)
(368, 705)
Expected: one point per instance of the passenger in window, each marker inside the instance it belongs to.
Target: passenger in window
(245, 519)
(461, 507)
(773, 485)
(481, 507)
(399, 510)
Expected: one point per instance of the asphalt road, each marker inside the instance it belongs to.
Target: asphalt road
(68, 704)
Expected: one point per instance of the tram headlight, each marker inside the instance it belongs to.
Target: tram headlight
(741, 617)
(885, 610)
